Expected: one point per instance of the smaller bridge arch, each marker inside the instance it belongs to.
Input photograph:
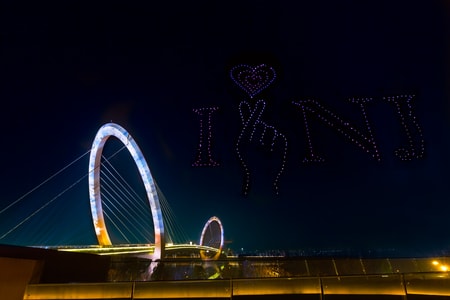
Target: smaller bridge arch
(212, 236)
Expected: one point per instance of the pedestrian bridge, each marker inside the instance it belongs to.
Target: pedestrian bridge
(171, 250)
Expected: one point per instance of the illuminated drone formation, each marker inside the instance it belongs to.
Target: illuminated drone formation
(204, 156)
(255, 131)
(253, 79)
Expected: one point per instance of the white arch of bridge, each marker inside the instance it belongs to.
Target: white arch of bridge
(103, 134)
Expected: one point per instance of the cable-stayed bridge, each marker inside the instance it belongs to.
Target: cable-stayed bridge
(129, 212)
(130, 217)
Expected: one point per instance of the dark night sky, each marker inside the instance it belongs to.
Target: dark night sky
(68, 69)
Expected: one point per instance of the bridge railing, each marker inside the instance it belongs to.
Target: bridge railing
(394, 286)
(140, 269)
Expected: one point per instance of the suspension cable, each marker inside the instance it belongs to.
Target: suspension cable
(127, 191)
(51, 200)
(175, 229)
(117, 227)
(168, 213)
(42, 207)
(125, 206)
(118, 204)
(41, 184)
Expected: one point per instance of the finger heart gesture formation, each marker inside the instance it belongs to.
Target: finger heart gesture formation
(254, 131)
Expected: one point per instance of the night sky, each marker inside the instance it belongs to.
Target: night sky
(70, 68)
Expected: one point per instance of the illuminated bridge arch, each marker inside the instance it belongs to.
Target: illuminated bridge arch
(212, 236)
(106, 131)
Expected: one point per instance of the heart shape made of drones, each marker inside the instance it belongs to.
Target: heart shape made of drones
(253, 79)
